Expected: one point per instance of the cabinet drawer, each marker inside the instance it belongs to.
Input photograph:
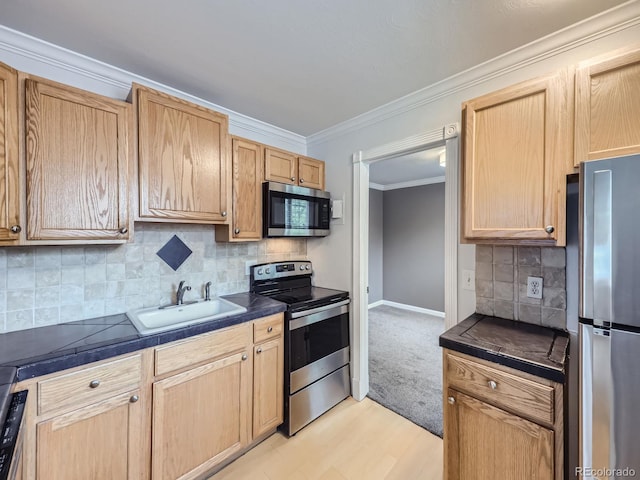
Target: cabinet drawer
(89, 385)
(518, 395)
(205, 347)
(268, 327)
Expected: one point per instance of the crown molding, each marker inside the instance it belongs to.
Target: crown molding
(409, 184)
(47, 56)
(591, 29)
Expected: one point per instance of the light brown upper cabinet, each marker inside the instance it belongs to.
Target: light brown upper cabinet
(607, 120)
(517, 150)
(77, 165)
(10, 227)
(286, 167)
(183, 160)
(246, 196)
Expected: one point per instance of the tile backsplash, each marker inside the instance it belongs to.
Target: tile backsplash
(48, 285)
(501, 283)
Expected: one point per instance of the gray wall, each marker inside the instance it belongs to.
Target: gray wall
(413, 258)
(375, 245)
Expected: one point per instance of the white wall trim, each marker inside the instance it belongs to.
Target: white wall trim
(117, 81)
(409, 184)
(599, 26)
(410, 308)
(448, 136)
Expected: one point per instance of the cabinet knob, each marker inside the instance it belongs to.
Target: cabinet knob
(124, 230)
(224, 214)
(492, 384)
(259, 350)
(134, 398)
(549, 229)
(293, 179)
(269, 329)
(451, 400)
(301, 180)
(94, 384)
(244, 356)
(16, 229)
(236, 231)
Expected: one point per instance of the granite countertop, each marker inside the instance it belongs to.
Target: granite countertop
(534, 349)
(39, 351)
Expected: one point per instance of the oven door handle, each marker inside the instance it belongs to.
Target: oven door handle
(302, 319)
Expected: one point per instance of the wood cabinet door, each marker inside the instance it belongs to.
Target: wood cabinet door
(268, 389)
(183, 160)
(280, 166)
(247, 190)
(484, 442)
(516, 157)
(200, 417)
(9, 162)
(311, 173)
(101, 442)
(607, 123)
(77, 150)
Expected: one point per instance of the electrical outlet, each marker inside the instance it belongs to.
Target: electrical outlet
(468, 280)
(534, 287)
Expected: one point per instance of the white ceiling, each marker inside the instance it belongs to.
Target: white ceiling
(300, 65)
(407, 168)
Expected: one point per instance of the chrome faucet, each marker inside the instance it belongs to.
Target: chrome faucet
(180, 292)
(207, 291)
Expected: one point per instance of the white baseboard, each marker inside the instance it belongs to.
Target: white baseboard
(404, 306)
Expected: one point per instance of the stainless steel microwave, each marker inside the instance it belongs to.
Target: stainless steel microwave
(292, 211)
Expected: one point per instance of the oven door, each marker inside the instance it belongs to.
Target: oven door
(292, 211)
(318, 343)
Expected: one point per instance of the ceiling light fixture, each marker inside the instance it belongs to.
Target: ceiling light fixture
(443, 158)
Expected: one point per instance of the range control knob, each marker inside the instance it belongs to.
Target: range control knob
(259, 271)
(267, 271)
(308, 267)
(301, 267)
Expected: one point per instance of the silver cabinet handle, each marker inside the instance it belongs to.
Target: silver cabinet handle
(451, 400)
(259, 350)
(123, 230)
(224, 214)
(293, 179)
(94, 384)
(134, 398)
(16, 229)
(244, 356)
(301, 180)
(492, 384)
(549, 229)
(236, 231)
(269, 329)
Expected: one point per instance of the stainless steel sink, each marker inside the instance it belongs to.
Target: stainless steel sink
(159, 319)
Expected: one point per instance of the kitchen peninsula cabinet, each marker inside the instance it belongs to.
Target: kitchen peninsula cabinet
(77, 165)
(286, 167)
(246, 197)
(10, 226)
(500, 422)
(183, 160)
(517, 150)
(607, 102)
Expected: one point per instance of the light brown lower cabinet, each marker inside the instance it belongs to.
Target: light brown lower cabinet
(499, 422)
(177, 411)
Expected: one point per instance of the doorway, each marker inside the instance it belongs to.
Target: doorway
(446, 137)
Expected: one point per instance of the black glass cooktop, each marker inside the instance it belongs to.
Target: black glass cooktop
(308, 297)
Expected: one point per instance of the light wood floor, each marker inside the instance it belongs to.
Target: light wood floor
(354, 440)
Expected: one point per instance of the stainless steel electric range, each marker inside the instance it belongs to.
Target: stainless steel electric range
(316, 362)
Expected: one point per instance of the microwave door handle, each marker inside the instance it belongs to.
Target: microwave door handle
(602, 248)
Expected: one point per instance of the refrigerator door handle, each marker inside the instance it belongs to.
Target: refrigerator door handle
(597, 434)
(602, 245)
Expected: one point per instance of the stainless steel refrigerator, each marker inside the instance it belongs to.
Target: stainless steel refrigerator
(610, 318)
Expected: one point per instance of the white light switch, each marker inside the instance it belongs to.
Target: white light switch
(336, 209)
(468, 280)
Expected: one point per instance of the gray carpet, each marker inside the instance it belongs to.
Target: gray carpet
(405, 364)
